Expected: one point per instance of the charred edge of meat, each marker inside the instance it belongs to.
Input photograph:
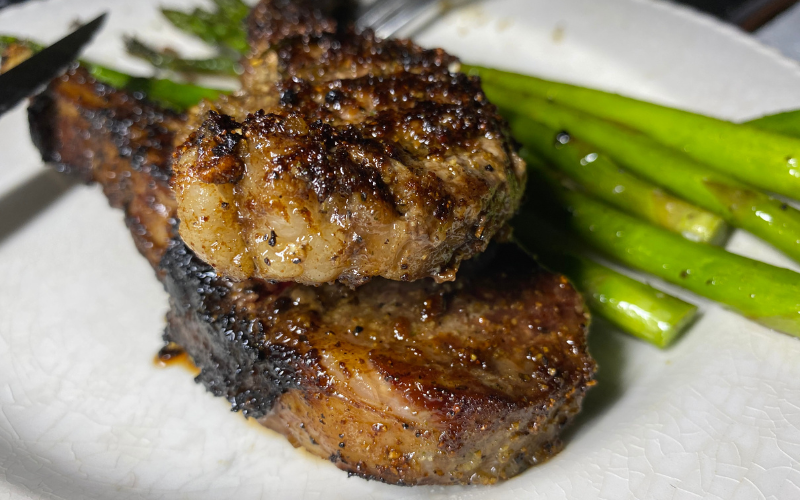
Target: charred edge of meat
(42, 113)
(303, 55)
(117, 140)
(397, 91)
(231, 357)
(217, 139)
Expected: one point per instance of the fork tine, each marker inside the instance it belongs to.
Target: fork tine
(376, 13)
(410, 11)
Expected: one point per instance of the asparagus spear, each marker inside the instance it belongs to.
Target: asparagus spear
(212, 28)
(764, 293)
(192, 23)
(634, 307)
(764, 159)
(223, 29)
(6, 40)
(600, 176)
(787, 123)
(741, 206)
(178, 96)
(235, 11)
(165, 60)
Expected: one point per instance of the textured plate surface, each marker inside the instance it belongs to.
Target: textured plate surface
(84, 413)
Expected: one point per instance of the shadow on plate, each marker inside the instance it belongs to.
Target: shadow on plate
(607, 346)
(23, 203)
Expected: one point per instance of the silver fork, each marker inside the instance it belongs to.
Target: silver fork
(387, 17)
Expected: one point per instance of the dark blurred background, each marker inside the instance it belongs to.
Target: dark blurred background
(747, 14)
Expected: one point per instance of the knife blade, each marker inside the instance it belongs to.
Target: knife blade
(26, 78)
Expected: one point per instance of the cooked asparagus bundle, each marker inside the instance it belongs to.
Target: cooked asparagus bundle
(598, 175)
(632, 306)
(224, 29)
(766, 294)
(740, 205)
(764, 159)
(162, 59)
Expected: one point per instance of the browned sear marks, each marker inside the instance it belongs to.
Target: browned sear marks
(366, 157)
(216, 139)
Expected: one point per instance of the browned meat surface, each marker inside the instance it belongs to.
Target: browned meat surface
(13, 55)
(411, 383)
(415, 383)
(344, 158)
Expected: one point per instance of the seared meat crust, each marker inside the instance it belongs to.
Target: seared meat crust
(363, 157)
(412, 383)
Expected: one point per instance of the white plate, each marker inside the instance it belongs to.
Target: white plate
(84, 413)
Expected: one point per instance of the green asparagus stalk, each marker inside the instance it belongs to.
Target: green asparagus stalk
(600, 176)
(6, 40)
(787, 123)
(633, 307)
(193, 23)
(758, 157)
(234, 11)
(741, 206)
(161, 59)
(214, 29)
(178, 96)
(766, 294)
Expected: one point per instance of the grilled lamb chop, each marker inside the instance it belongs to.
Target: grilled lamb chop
(410, 383)
(344, 157)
